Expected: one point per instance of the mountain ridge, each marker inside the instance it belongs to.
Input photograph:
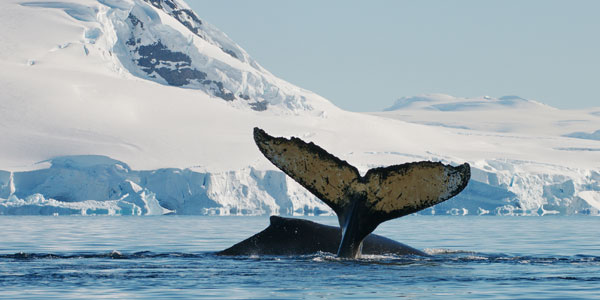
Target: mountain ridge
(444, 102)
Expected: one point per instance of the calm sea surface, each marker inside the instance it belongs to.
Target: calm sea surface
(171, 257)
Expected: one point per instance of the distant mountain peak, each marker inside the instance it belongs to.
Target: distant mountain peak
(443, 102)
(188, 18)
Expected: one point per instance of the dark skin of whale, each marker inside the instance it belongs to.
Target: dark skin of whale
(290, 236)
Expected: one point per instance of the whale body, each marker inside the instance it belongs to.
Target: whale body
(291, 236)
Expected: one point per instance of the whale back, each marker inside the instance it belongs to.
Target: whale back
(291, 236)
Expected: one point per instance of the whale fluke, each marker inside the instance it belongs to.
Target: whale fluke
(362, 202)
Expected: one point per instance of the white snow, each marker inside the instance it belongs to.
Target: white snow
(508, 114)
(591, 197)
(86, 131)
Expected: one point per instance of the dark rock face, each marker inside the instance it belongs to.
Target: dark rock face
(216, 87)
(189, 19)
(156, 53)
(159, 3)
(135, 21)
(229, 52)
(175, 67)
(259, 106)
(289, 236)
(186, 17)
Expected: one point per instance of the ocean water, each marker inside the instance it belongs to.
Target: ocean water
(171, 257)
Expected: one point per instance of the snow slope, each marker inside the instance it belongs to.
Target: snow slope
(140, 107)
(508, 114)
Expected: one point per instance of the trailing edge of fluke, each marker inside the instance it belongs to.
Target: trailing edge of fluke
(362, 202)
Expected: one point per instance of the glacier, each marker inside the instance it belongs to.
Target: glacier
(99, 185)
(96, 185)
(139, 107)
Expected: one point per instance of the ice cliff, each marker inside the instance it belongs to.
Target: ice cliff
(97, 185)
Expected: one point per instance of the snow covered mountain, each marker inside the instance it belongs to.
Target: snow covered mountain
(140, 107)
(165, 41)
(441, 102)
(503, 115)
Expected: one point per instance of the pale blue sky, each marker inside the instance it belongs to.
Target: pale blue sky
(362, 55)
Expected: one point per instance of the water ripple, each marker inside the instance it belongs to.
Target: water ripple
(438, 256)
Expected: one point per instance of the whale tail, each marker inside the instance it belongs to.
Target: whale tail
(362, 202)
